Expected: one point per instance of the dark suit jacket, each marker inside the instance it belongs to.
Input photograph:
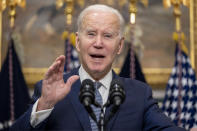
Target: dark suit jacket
(138, 112)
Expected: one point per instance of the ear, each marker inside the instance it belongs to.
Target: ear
(120, 45)
(77, 41)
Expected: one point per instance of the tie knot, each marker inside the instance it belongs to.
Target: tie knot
(97, 84)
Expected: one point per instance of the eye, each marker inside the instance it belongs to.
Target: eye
(108, 35)
(91, 34)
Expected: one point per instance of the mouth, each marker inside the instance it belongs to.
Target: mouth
(97, 56)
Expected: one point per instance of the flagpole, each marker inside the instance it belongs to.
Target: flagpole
(192, 47)
(0, 36)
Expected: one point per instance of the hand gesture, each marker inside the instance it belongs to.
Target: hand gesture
(53, 87)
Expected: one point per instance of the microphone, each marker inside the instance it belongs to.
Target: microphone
(116, 93)
(87, 96)
(116, 98)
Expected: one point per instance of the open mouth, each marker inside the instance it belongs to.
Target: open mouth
(97, 56)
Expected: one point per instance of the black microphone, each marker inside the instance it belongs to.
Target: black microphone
(116, 98)
(116, 93)
(87, 96)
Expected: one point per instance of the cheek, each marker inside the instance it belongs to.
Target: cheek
(114, 50)
(82, 47)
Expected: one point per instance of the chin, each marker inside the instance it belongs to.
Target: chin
(97, 69)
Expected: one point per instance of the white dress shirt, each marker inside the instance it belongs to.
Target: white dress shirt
(39, 116)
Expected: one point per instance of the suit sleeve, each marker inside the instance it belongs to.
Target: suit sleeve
(23, 122)
(154, 118)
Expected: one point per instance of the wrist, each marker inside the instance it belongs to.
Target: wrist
(44, 105)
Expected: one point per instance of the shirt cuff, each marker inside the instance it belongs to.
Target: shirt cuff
(39, 116)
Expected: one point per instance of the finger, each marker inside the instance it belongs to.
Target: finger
(61, 58)
(52, 69)
(71, 80)
(69, 83)
(61, 68)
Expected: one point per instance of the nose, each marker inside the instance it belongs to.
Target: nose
(98, 42)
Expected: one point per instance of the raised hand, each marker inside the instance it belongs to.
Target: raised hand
(53, 87)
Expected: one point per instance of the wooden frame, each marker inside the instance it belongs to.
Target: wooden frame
(156, 77)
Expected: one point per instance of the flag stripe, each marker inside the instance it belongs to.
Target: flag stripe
(181, 92)
(71, 55)
(14, 96)
(11, 85)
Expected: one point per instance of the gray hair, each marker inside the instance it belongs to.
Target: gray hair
(100, 7)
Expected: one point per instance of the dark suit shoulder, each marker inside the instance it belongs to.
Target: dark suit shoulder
(135, 85)
(72, 72)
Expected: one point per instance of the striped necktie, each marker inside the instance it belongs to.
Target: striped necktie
(96, 110)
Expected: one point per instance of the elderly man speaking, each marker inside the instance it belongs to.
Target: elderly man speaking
(56, 104)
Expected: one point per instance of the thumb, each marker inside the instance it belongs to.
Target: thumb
(71, 80)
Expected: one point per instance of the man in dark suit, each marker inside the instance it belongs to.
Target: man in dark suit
(56, 104)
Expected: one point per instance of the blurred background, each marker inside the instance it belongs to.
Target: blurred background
(154, 29)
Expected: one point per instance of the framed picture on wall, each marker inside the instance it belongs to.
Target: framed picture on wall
(39, 28)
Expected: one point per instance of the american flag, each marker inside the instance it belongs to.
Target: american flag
(180, 101)
(14, 95)
(72, 60)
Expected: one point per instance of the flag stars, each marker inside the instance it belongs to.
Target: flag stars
(177, 70)
(71, 65)
(191, 72)
(190, 83)
(166, 113)
(182, 104)
(195, 83)
(189, 105)
(167, 104)
(184, 71)
(183, 60)
(188, 60)
(183, 93)
(190, 94)
(75, 54)
(173, 70)
(169, 92)
(175, 93)
(187, 116)
(178, 58)
(171, 81)
(187, 126)
(76, 63)
(184, 81)
(182, 116)
(173, 115)
(174, 105)
(177, 82)
(195, 116)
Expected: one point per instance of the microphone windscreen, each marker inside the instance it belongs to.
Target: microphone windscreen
(118, 82)
(116, 92)
(87, 82)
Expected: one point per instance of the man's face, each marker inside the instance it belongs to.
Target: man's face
(99, 42)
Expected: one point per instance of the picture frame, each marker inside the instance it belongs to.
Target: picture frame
(156, 77)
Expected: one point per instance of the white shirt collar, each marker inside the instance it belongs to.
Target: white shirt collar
(105, 80)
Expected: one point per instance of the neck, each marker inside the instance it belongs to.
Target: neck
(97, 75)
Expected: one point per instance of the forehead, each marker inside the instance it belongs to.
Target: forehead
(101, 20)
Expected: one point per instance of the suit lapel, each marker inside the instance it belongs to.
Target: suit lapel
(107, 112)
(78, 107)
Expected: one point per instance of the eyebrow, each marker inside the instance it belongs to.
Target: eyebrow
(89, 30)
